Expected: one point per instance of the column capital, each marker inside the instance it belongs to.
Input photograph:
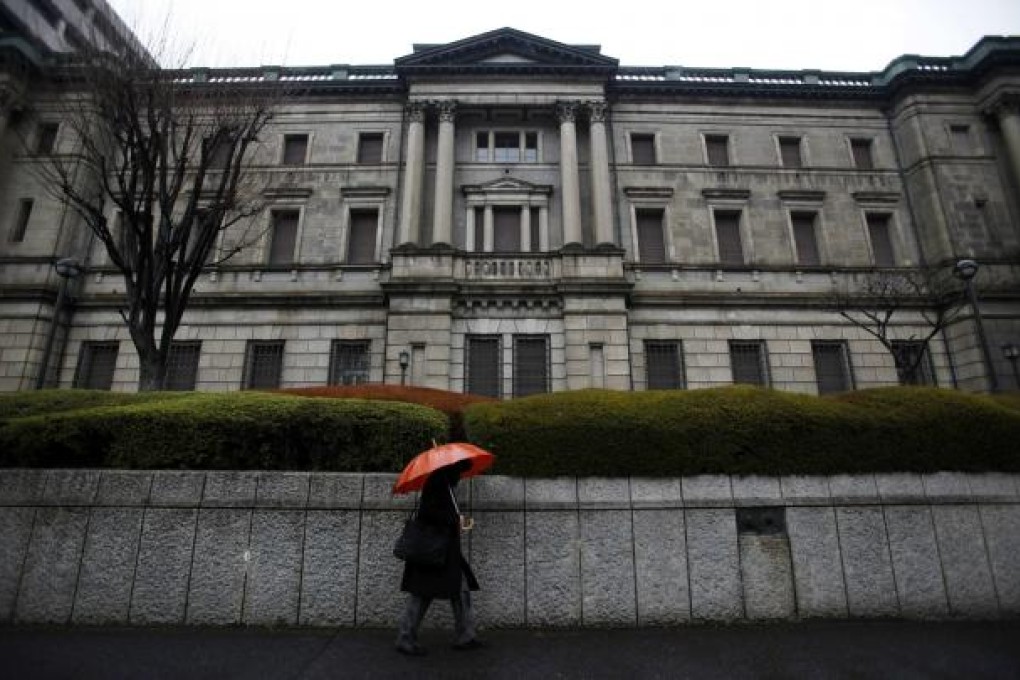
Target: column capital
(567, 111)
(597, 111)
(415, 112)
(447, 110)
(1004, 104)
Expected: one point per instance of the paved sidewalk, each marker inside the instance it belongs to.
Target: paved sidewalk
(807, 650)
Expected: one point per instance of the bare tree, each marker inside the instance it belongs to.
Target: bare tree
(160, 166)
(877, 302)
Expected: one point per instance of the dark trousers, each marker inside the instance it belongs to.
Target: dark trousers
(414, 612)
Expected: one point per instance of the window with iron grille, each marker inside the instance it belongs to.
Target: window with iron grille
(650, 235)
(642, 149)
(21, 222)
(832, 367)
(370, 147)
(361, 240)
(727, 232)
(283, 237)
(96, 364)
(664, 365)
(263, 364)
(914, 353)
(718, 150)
(531, 364)
(484, 374)
(295, 149)
(789, 152)
(46, 139)
(881, 239)
(860, 149)
(182, 365)
(805, 238)
(747, 361)
(349, 362)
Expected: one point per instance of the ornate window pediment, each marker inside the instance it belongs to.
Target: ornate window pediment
(507, 185)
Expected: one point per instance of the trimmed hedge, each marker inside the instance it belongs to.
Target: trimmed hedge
(39, 402)
(239, 430)
(746, 430)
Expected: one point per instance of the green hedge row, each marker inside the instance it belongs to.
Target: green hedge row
(745, 430)
(239, 430)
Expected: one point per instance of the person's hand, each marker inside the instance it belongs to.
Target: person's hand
(466, 523)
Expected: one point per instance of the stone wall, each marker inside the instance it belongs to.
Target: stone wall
(230, 548)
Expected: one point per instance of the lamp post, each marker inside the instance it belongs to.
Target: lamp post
(1012, 353)
(966, 270)
(66, 268)
(405, 361)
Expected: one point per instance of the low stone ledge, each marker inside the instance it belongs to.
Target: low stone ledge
(707, 491)
(335, 491)
(230, 489)
(495, 492)
(282, 490)
(755, 490)
(124, 488)
(656, 493)
(805, 490)
(946, 487)
(603, 493)
(173, 489)
(22, 487)
(559, 493)
(994, 487)
(853, 490)
(900, 487)
(71, 487)
(378, 493)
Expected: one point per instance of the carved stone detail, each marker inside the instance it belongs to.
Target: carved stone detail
(415, 112)
(566, 111)
(597, 111)
(447, 110)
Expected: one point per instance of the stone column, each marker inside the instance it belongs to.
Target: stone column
(543, 229)
(570, 184)
(469, 232)
(601, 193)
(442, 216)
(1009, 123)
(488, 230)
(410, 209)
(526, 228)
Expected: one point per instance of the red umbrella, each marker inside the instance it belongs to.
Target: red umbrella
(424, 464)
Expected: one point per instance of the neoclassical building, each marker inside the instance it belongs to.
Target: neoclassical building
(507, 214)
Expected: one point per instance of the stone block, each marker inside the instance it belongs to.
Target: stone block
(915, 559)
(992, 487)
(714, 565)
(550, 494)
(603, 493)
(946, 487)
(108, 566)
(171, 489)
(553, 569)
(660, 564)
(125, 488)
(71, 487)
(229, 489)
(607, 568)
(756, 490)
(216, 590)
(495, 492)
(1002, 536)
(15, 532)
(965, 561)
(707, 491)
(658, 493)
(496, 552)
(378, 494)
(164, 567)
(380, 601)
(766, 572)
(817, 566)
(282, 490)
(900, 487)
(870, 586)
(272, 589)
(330, 568)
(22, 487)
(805, 490)
(335, 490)
(853, 490)
(50, 572)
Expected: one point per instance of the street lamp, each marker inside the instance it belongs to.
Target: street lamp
(966, 270)
(66, 268)
(405, 361)
(1012, 353)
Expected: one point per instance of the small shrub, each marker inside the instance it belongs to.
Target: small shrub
(39, 402)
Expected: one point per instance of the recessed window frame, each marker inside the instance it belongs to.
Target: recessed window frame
(469, 359)
(925, 369)
(351, 213)
(792, 214)
(644, 148)
(362, 153)
(676, 377)
(862, 152)
(182, 364)
(783, 144)
(889, 220)
(290, 137)
(253, 352)
(709, 141)
(520, 385)
(718, 210)
(527, 154)
(272, 213)
(344, 372)
(658, 199)
(47, 138)
(962, 141)
(819, 351)
(85, 372)
(760, 347)
(22, 218)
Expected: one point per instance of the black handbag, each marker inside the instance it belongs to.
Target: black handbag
(422, 544)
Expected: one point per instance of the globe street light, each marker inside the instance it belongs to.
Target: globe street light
(966, 270)
(67, 268)
(405, 361)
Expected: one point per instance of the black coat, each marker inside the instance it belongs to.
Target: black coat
(437, 508)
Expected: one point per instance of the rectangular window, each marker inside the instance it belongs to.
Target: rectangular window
(295, 149)
(789, 152)
(805, 238)
(21, 221)
(283, 237)
(914, 365)
(506, 147)
(727, 233)
(370, 147)
(482, 147)
(46, 139)
(642, 148)
(718, 149)
(349, 362)
(536, 230)
(960, 136)
(96, 364)
(182, 366)
(650, 235)
(479, 230)
(531, 365)
(747, 361)
(832, 367)
(263, 364)
(881, 239)
(483, 362)
(530, 147)
(361, 240)
(664, 365)
(506, 225)
(217, 155)
(861, 151)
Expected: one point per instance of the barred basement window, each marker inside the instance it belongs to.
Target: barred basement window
(914, 353)
(650, 235)
(727, 232)
(361, 239)
(349, 362)
(789, 152)
(642, 149)
(182, 365)
(531, 364)
(263, 364)
(805, 238)
(483, 363)
(283, 237)
(664, 365)
(881, 239)
(21, 222)
(832, 367)
(295, 149)
(747, 361)
(370, 147)
(96, 364)
(860, 149)
(718, 149)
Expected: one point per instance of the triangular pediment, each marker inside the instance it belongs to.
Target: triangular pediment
(507, 185)
(505, 49)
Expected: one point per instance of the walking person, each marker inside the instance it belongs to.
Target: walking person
(453, 581)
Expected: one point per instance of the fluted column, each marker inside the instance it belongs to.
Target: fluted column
(442, 216)
(570, 184)
(1009, 123)
(600, 188)
(488, 230)
(526, 228)
(410, 210)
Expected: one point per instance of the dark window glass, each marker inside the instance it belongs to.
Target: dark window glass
(651, 239)
(479, 229)
(507, 147)
(960, 135)
(789, 150)
(370, 147)
(530, 147)
(831, 367)
(727, 231)
(484, 376)
(531, 365)
(263, 364)
(747, 360)
(805, 238)
(664, 367)
(861, 150)
(881, 239)
(642, 148)
(349, 362)
(536, 230)
(96, 364)
(284, 237)
(482, 147)
(718, 147)
(21, 221)
(182, 365)
(295, 149)
(506, 224)
(914, 353)
(46, 142)
(361, 241)
(217, 154)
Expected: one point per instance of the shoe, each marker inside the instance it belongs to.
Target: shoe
(470, 644)
(412, 650)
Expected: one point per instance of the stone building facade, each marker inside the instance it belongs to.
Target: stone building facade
(507, 214)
